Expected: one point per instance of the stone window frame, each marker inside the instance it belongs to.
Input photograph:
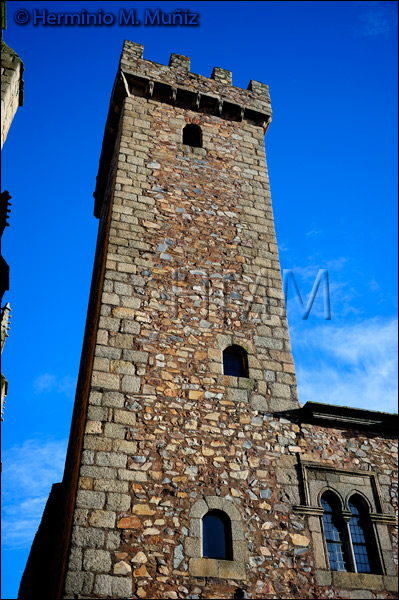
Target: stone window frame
(191, 151)
(345, 515)
(212, 567)
(239, 389)
(317, 479)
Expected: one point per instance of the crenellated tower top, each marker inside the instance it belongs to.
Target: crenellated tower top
(175, 84)
(252, 103)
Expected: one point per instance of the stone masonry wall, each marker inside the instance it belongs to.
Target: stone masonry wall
(11, 87)
(192, 267)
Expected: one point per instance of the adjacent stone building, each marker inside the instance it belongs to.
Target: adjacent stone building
(12, 86)
(192, 470)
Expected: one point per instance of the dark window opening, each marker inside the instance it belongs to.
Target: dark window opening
(235, 362)
(334, 531)
(360, 535)
(192, 136)
(216, 536)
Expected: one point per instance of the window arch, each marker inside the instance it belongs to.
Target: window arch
(334, 533)
(349, 487)
(235, 361)
(229, 528)
(348, 535)
(216, 535)
(192, 136)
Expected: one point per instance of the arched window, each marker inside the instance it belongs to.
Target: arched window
(349, 541)
(192, 136)
(235, 361)
(360, 535)
(216, 536)
(334, 532)
(216, 543)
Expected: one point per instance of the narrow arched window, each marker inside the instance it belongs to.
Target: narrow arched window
(235, 361)
(334, 532)
(216, 536)
(192, 136)
(360, 535)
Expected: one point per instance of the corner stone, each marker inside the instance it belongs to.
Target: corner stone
(131, 384)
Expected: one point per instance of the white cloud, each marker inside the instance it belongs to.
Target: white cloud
(48, 382)
(29, 470)
(309, 273)
(348, 366)
(44, 383)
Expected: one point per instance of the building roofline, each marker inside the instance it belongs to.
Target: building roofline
(349, 416)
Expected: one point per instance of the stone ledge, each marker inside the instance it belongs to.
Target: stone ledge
(219, 569)
(323, 578)
(190, 150)
(242, 383)
(357, 581)
(391, 583)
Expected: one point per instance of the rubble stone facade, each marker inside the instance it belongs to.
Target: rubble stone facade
(187, 266)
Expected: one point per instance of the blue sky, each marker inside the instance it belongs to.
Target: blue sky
(332, 157)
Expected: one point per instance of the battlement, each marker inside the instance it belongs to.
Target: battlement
(176, 84)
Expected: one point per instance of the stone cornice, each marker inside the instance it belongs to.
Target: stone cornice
(241, 108)
(348, 417)
(351, 416)
(326, 467)
(309, 511)
(384, 518)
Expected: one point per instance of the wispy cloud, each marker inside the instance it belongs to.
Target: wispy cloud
(348, 366)
(373, 285)
(29, 470)
(376, 18)
(47, 382)
(313, 232)
(309, 272)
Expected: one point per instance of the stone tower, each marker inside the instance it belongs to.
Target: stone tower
(187, 379)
